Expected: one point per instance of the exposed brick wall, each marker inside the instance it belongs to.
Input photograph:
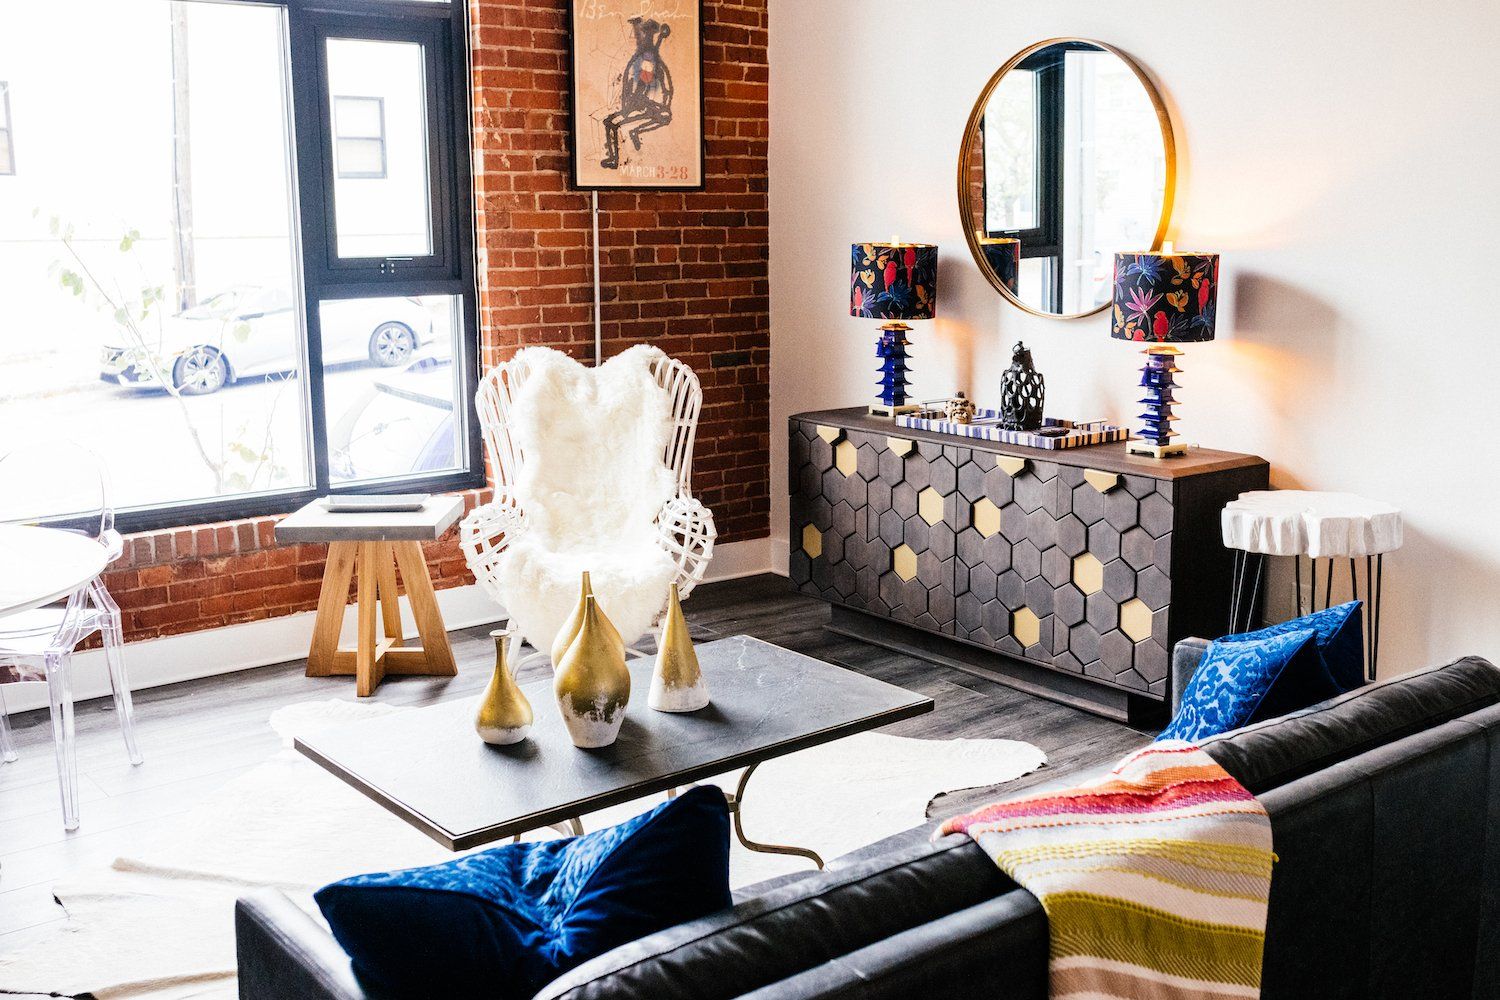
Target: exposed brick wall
(683, 270)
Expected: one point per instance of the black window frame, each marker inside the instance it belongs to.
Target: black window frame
(443, 30)
(8, 168)
(343, 173)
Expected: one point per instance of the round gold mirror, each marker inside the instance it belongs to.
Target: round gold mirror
(1067, 159)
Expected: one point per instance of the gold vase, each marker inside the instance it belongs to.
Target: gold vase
(677, 683)
(569, 631)
(504, 715)
(592, 683)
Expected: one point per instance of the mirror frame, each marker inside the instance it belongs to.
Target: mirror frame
(972, 138)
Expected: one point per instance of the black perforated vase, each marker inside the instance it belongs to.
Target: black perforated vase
(1022, 392)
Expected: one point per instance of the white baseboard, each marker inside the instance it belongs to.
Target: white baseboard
(153, 662)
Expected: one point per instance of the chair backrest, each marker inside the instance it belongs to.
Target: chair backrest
(62, 480)
(497, 394)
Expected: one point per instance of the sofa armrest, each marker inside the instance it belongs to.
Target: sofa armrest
(283, 952)
(1186, 656)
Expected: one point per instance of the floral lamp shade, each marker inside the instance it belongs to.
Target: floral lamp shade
(1003, 254)
(896, 281)
(1165, 297)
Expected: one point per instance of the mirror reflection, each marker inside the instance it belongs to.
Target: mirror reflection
(1067, 159)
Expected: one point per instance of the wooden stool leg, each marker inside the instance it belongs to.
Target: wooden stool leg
(424, 608)
(332, 600)
(390, 604)
(367, 666)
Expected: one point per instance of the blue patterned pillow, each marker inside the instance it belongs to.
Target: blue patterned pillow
(1234, 680)
(505, 922)
(1339, 632)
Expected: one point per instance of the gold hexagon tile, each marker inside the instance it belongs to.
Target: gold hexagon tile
(904, 562)
(1010, 465)
(846, 457)
(901, 446)
(1101, 481)
(930, 505)
(1088, 573)
(1135, 620)
(1026, 627)
(986, 517)
(812, 541)
(830, 434)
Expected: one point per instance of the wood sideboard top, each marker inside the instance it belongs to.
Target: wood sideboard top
(1106, 457)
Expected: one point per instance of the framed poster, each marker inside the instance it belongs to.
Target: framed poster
(637, 88)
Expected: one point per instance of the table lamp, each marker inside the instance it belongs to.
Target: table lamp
(1163, 297)
(898, 282)
(1003, 254)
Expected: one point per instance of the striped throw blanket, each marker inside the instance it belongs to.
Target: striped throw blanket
(1154, 877)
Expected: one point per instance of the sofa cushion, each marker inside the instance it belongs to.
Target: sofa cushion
(504, 922)
(1268, 754)
(1339, 633)
(1238, 681)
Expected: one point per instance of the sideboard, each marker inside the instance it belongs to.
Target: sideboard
(1068, 573)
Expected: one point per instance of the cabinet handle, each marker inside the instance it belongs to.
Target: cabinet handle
(1011, 465)
(1101, 481)
(901, 446)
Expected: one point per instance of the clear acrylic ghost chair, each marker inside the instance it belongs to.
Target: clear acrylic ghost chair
(38, 645)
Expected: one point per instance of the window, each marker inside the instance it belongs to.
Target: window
(359, 135)
(7, 140)
(273, 298)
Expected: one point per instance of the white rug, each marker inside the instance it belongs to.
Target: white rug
(160, 924)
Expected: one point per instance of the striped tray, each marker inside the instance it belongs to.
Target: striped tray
(986, 426)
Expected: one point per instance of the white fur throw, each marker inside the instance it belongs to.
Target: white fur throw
(593, 478)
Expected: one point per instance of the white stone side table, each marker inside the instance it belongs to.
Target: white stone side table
(368, 547)
(1311, 525)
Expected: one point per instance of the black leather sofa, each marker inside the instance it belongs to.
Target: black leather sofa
(1385, 809)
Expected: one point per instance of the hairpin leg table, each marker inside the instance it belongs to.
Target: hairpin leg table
(368, 548)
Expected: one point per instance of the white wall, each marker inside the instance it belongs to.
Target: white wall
(1342, 156)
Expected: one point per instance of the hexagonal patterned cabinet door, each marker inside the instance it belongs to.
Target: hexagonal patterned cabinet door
(1088, 573)
(904, 562)
(846, 457)
(986, 517)
(1135, 619)
(930, 505)
(1026, 627)
(812, 541)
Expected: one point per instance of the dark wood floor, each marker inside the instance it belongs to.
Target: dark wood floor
(199, 734)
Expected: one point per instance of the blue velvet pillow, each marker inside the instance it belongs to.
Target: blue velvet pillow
(1238, 682)
(505, 922)
(1339, 632)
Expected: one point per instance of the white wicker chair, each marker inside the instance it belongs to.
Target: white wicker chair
(685, 528)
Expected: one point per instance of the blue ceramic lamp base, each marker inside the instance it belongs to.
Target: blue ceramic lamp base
(1156, 434)
(891, 350)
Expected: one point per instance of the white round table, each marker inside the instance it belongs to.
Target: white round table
(42, 565)
(1315, 525)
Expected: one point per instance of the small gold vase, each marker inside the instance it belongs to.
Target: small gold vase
(592, 683)
(677, 683)
(504, 713)
(569, 631)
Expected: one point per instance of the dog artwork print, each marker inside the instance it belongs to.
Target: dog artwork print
(637, 94)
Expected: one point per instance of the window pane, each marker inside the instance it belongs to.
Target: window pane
(361, 158)
(1010, 153)
(358, 117)
(149, 295)
(391, 386)
(391, 216)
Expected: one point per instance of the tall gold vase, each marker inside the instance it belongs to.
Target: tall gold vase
(504, 715)
(569, 631)
(677, 683)
(592, 683)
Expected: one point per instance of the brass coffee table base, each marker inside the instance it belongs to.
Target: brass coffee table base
(736, 804)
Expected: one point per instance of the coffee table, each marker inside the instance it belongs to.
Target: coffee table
(428, 767)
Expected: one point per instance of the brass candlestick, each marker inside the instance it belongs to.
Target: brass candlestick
(677, 683)
(504, 715)
(592, 683)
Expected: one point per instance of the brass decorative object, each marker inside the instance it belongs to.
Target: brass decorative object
(960, 409)
(1010, 465)
(677, 683)
(569, 631)
(1101, 481)
(592, 683)
(504, 715)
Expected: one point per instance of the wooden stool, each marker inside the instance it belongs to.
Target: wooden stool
(369, 547)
